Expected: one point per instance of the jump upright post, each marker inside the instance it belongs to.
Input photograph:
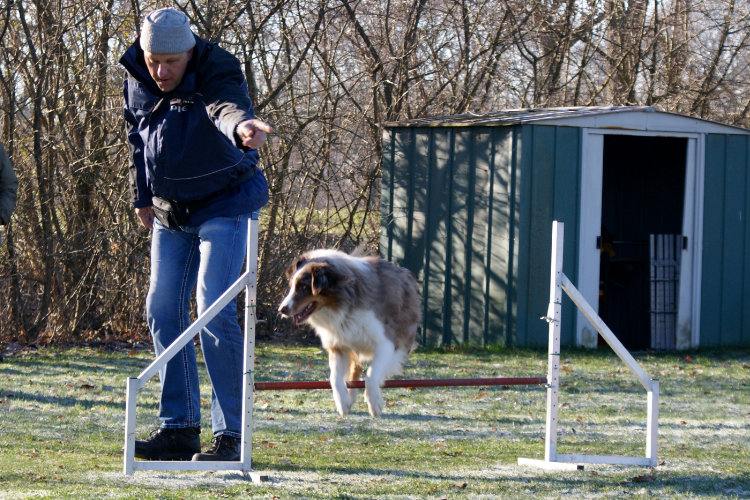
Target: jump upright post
(248, 282)
(553, 460)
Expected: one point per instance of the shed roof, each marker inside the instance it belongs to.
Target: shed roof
(614, 117)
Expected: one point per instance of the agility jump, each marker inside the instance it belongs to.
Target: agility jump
(248, 282)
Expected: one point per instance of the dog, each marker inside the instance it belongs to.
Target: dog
(364, 309)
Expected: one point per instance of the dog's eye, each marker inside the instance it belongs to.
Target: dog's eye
(302, 287)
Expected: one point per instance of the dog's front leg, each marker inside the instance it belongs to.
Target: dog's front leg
(339, 365)
(376, 374)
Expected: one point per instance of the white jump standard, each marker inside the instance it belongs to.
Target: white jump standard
(552, 459)
(248, 282)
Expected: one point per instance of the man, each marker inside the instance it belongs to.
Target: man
(194, 181)
(8, 187)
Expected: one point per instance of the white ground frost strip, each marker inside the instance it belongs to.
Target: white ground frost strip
(159, 480)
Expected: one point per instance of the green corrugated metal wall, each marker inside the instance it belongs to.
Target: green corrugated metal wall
(725, 287)
(549, 191)
(469, 210)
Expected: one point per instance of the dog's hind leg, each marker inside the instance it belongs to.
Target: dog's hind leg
(380, 368)
(355, 373)
(339, 364)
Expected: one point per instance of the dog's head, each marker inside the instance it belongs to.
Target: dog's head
(312, 285)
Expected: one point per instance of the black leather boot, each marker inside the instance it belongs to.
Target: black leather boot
(170, 444)
(223, 448)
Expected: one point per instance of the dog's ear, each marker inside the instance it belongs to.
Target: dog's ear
(298, 262)
(318, 277)
(323, 277)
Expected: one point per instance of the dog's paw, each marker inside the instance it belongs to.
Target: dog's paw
(343, 403)
(342, 411)
(352, 396)
(374, 401)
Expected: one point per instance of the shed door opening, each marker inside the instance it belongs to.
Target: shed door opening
(643, 189)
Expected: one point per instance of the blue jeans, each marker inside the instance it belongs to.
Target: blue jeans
(207, 258)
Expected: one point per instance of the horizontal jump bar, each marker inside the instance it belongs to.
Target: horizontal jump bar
(445, 382)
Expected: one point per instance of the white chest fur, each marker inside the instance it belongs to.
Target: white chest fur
(356, 329)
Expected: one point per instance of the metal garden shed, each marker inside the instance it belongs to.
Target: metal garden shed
(655, 206)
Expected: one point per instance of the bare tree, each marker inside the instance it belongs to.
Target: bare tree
(327, 75)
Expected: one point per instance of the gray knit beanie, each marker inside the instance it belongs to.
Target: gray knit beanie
(166, 31)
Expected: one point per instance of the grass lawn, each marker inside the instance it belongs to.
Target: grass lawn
(62, 421)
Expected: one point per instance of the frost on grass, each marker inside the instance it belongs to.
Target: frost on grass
(436, 443)
(173, 480)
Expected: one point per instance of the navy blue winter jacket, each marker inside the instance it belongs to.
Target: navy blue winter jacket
(183, 144)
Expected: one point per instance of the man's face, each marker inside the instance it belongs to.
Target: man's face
(167, 70)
